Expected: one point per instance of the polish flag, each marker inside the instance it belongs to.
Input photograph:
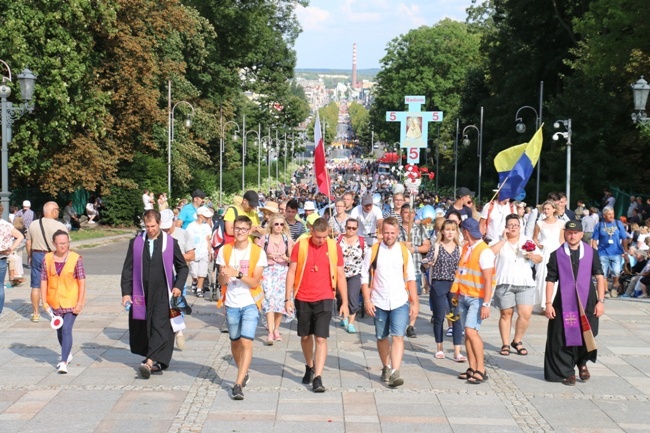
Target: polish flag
(322, 178)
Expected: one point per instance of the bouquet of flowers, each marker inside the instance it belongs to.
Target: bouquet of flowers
(529, 246)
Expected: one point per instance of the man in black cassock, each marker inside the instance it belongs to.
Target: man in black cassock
(150, 330)
(572, 265)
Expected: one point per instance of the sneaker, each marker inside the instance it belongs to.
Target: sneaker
(309, 375)
(317, 385)
(62, 368)
(395, 379)
(410, 332)
(344, 323)
(246, 380)
(269, 339)
(180, 341)
(385, 373)
(450, 332)
(351, 329)
(194, 288)
(277, 336)
(237, 393)
(625, 295)
(199, 293)
(614, 293)
(35, 318)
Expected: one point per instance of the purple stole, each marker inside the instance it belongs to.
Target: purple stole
(139, 308)
(569, 285)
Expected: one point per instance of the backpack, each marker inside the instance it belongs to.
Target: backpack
(362, 244)
(218, 238)
(227, 238)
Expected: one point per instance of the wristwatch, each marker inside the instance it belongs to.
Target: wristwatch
(602, 301)
(240, 276)
(486, 304)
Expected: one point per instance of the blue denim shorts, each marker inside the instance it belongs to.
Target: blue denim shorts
(37, 267)
(393, 322)
(611, 265)
(470, 311)
(242, 322)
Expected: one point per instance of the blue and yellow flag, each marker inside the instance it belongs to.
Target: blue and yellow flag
(515, 165)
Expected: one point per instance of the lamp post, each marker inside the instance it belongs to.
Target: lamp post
(567, 136)
(520, 127)
(456, 155)
(9, 114)
(640, 91)
(398, 152)
(466, 142)
(258, 133)
(170, 131)
(221, 150)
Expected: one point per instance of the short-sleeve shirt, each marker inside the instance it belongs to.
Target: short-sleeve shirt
(609, 237)
(367, 221)
(353, 257)
(316, 284)
(184, 240)
(465, 212)
(238, 294)
(187, 215)
(199, 234)
(252, 214)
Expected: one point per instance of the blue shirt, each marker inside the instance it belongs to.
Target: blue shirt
(609, 237)
(187, 215)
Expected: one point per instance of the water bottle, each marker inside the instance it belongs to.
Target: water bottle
(127, 306)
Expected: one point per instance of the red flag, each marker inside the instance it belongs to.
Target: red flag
(322, 178)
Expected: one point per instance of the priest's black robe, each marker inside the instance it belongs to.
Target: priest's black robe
(560, 360)
(153, 337)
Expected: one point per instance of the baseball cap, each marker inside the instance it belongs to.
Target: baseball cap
(471, 225)
(27, 203)
(462, 192)
(573, 225)
(366, 200)
(312, 218)
(309, 205)
(166, 219)
(198, 193)
(252, 198)
(205, 211)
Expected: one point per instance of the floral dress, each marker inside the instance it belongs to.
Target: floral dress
(274, 277)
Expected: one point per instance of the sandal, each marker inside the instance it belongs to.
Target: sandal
(460, 358)
(145, 370)
(440, 354)
(468, 373)
(584, 373)
(518, 347)
(156, 368)
(477, 377)
(505, 350)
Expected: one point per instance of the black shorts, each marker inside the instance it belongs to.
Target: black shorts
(314, 317)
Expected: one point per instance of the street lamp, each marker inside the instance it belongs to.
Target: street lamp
(567, 136)
(640, 91)
(258, 133)
(9, 114)
(398, 150)
(466, 142)
(170, 131)
(520, 127)
(221, 149)
(456, 155)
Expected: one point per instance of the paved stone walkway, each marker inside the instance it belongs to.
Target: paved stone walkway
(103, 393)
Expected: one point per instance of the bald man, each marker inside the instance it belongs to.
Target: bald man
(39, 242)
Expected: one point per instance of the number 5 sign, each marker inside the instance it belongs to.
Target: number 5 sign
(413, 156)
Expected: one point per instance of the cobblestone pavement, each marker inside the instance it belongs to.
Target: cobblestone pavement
(102, 391)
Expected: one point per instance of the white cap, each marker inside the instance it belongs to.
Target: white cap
(309, 205)
(204, 211)
(166, 219)
(27, 203)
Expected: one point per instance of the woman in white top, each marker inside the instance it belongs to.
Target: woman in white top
(515, 286)
(548, 236)
(277, 245)
(337, 222)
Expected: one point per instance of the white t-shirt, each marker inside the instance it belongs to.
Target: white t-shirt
(367, 221)
(388, 291)
(238, 294)
(146, 202)
(200, 234)
(512, 267)
(497, 222)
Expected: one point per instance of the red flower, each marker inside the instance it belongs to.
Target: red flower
(529, 246)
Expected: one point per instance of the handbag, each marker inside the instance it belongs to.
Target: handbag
(179, 305)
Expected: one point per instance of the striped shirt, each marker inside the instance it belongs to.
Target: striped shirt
(296, 229)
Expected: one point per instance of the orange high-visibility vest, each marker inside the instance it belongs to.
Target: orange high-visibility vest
(256, 292)
(303, 249)
(469, 277)
(62, 290)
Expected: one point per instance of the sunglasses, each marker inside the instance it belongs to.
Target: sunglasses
(350, 228)
(278, 224)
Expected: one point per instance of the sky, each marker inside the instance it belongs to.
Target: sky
(330, 27)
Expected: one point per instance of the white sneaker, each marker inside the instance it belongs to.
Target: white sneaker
(62, 368)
